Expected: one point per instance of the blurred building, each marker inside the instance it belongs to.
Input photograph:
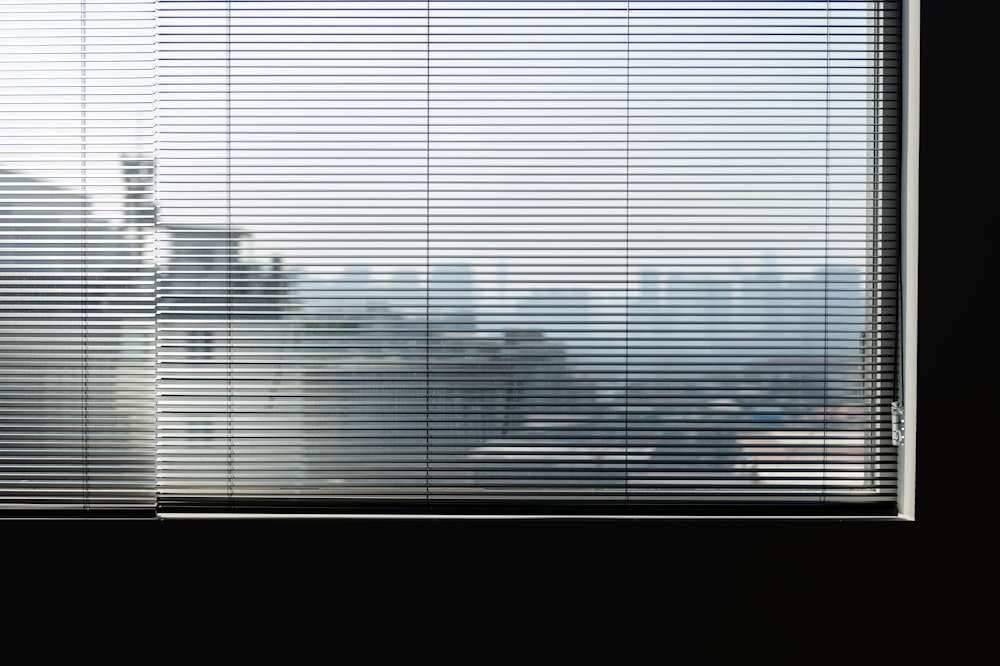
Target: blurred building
(76, 366)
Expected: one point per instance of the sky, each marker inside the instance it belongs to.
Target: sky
(543, 144)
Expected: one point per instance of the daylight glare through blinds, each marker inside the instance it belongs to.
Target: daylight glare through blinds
(588, 257)
(523, 254)
(76, 272)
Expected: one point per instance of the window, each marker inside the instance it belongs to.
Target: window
(456, 258)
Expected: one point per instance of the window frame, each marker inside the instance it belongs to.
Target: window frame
(909, 163)
(906, 416)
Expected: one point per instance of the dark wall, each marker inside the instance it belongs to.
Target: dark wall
(689, 592)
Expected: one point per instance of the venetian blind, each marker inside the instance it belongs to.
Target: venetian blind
(76, 272)
(467, 257)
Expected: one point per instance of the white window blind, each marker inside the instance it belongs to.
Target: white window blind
(76, 277)
(479, 257)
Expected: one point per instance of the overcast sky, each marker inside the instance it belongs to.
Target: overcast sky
(713, 135)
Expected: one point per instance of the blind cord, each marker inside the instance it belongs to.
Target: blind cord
(427, 274)
(228, 248)
(827, 267)
(628, 228)
(84, 258)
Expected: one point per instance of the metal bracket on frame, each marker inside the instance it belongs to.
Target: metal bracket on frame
(898, 424)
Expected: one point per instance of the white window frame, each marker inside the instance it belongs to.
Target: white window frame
(909, 164)
(907, 423)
